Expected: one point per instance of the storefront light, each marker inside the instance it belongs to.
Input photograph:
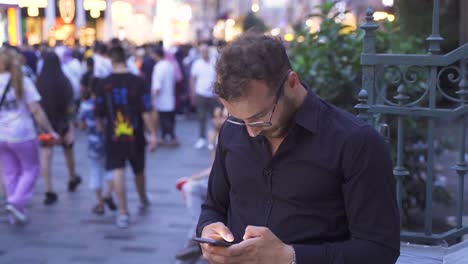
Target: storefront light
(230, 22)
(94, 7)
(33, 11)
(121, 12)
(32, 3)
(32, 6)
(184, 13)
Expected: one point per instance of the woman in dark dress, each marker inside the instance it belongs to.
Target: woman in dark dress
(57, 101)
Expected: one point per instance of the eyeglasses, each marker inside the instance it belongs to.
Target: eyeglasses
(261, 124)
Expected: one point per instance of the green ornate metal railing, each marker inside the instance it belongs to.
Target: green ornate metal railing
(406, 69)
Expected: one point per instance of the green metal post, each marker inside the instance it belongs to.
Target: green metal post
(434, 47)
(400, 171)
(430, 152)
(368, 75)
(435, 39)
(461, 167)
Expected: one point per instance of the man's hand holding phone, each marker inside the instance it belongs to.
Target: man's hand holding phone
(260, 246)
(209, 241)
(215, 232)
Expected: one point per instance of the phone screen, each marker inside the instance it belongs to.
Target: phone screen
(218, 243)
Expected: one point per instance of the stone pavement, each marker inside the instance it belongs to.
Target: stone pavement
(68, 232)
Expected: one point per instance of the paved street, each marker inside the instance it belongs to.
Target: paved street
(68, 232)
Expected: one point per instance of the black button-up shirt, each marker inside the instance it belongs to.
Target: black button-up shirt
(328, 190)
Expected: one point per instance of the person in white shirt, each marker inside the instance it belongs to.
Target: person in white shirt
(163, 91)
(102, 64)
(19, 158)
(72, 68)
(203, 76)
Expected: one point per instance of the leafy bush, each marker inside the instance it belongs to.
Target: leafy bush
(329, 62)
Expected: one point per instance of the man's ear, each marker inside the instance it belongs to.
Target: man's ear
(293, 80)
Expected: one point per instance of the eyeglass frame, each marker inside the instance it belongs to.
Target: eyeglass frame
(262, 124)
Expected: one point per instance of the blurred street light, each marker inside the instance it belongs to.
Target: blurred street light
(255, 7)
(387, 2)
(380, 15)
(289, 37)
(275, 32)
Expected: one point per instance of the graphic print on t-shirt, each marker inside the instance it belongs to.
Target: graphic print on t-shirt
(122, 127)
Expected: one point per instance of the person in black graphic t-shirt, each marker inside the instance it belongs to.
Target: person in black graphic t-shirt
(125, 105)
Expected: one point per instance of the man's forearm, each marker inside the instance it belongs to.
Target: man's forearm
(355, 251)
(151, 120)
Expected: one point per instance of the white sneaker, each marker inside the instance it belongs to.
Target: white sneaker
(17, 214)
(122, 220)
(201, 143)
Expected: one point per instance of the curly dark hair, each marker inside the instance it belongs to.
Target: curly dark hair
(252, 56)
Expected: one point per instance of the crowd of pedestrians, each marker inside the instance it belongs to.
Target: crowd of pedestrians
(293, 179)
(124, 97)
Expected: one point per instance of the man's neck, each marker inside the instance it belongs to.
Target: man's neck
(119, 68)
(301, 96)
(298, 100)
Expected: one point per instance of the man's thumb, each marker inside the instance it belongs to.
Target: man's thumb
(226, 234)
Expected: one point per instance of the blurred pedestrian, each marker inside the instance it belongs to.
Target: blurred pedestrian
(194, 188)
(19, 159)
(2, 189)
(57, 101)
(203, 75)
(163, 92)
(124, 106)
(71, 67)
(102, 63)
(98, 175)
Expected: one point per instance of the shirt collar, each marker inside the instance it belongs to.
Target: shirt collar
(308, 114)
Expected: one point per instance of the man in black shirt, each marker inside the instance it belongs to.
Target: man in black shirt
(123, 104)
(295, 179)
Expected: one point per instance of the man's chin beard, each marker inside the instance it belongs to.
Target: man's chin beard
(277, 132)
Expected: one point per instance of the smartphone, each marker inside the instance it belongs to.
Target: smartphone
(218, 243)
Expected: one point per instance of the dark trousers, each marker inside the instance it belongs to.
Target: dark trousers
(167, 124)
(205, 106)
